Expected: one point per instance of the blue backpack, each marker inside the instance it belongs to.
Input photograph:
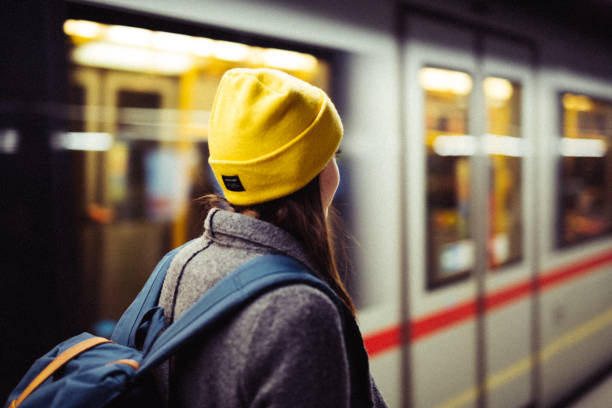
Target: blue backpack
(90, 371)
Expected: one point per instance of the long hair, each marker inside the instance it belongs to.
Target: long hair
(301, 214)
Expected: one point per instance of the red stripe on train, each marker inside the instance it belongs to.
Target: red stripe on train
(381, 341)
(389, 338)
(558, 275)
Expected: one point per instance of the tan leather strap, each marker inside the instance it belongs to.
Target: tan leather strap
(57, 363)
(132, 363)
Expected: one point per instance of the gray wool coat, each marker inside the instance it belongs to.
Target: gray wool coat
(285, 349)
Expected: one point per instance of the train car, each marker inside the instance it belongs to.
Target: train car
(476, 172)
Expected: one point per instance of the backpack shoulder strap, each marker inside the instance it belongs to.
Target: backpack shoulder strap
(125, 330)
(244, 283)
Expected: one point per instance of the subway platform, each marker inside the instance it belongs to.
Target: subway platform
(596, 395)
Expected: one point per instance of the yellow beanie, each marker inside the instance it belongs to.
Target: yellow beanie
(270, 134)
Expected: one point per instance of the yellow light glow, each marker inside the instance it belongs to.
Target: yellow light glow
(82, 28)
(498, 88)
(116, 56)
(133, 48)
(129, 35)
(204, 47)
(577, 102)
(172, 42)
(290, 60)
(230, 51)
(444, 80)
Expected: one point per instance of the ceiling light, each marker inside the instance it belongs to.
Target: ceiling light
(573, 147)
(90, 141)
(82, 28)
(115, 56)
(577, 102)
(204, 47)
(230, 51)
(172, 42)
(503, 145)
(289, 60)
(454, 145)
(443, 80)
(498, 88)
(129, 35)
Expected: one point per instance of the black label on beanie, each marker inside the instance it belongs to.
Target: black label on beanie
(232, 183)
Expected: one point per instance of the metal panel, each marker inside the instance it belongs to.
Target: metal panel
(577, 327)
(444, 369)
(385, 369)
(509, 364)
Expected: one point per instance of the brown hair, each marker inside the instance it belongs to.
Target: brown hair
(301, 214)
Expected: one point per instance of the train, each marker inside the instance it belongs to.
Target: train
(476, 177)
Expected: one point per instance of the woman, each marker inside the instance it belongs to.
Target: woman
(272, 141)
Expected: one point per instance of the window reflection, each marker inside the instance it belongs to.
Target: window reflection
(585, 184)
(504, 146)
(449, 146)
(450, 249)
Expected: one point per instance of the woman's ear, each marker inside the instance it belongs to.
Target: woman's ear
(329, 179)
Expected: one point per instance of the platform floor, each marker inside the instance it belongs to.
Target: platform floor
(600, 396)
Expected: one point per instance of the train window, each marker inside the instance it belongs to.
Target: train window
(139, 107)
(503, 144)
(450, 248)
(585, 184)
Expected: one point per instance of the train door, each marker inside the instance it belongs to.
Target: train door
(506, 296)
(121, 234)
(575, 279)
(440, 68)
(470, 321)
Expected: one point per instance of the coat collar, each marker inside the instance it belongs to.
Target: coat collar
(239, 230)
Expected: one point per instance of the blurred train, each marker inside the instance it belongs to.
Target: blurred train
(476, 175)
